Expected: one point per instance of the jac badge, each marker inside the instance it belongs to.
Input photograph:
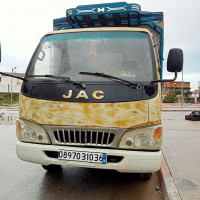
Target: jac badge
(98, 94)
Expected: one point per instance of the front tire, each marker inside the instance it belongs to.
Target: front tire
(145, 176)
(52, 167)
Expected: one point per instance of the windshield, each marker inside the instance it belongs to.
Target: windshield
(126, 55)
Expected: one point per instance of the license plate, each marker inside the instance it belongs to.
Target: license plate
(82, 156)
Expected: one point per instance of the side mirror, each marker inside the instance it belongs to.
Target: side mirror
(175, 60)
(174, 64)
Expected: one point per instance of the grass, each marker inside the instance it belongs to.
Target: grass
(5, 99)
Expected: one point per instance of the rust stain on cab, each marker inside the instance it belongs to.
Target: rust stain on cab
(155, 108)
(22, 106)
(119, 115)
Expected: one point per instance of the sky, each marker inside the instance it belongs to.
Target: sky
(23, 23)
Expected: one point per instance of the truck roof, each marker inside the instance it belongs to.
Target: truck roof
(109, 14)
(121, 28)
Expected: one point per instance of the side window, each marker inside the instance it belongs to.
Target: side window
(60, 64)
(43, 60)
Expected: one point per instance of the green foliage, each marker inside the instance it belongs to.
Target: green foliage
(170, 98)
(5, 99)
(177, 92)
(189, 100)
(187, 94)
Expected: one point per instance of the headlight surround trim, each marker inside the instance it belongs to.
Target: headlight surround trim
(28, 131)
(143, 138)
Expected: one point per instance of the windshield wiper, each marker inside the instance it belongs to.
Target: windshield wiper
(137, 86)
(65, 79)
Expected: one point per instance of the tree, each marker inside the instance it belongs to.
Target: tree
(187, 93)
(170, 98)
(177, 92)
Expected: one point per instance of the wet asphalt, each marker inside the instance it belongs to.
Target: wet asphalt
(21, 180)
(181, 148)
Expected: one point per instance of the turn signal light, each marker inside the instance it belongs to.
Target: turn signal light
(158, 133)
(18, 126)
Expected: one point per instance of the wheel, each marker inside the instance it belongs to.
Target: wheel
(145, 176)
(52, 167)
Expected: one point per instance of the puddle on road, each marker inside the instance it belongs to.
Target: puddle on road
(8, 119)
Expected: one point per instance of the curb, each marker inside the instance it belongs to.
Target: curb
(167, 182)
(8, 108)
(170, 110)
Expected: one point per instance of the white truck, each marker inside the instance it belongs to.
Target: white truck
(91, 95)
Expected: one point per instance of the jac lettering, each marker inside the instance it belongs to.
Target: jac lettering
(98, 94)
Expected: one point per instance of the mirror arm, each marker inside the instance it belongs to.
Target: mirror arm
(13, 76)
(165, 80)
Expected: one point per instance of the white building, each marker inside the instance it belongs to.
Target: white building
(9, 84)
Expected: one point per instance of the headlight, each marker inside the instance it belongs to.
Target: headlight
(148, 138)
(144, 140)
(30, 132)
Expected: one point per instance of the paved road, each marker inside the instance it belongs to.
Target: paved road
(174, 115)
(182, 151)
(8, 116)
(25, 181)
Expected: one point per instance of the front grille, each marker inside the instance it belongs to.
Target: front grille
(86, 137)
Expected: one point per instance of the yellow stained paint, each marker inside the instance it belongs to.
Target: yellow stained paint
(155, 108)
(22, 106)
(121, 115)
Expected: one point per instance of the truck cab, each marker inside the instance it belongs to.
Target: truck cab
(91, 96)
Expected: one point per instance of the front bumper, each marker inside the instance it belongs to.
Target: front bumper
(130, 162)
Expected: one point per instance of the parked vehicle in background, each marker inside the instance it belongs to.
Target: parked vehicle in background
(193, 116)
